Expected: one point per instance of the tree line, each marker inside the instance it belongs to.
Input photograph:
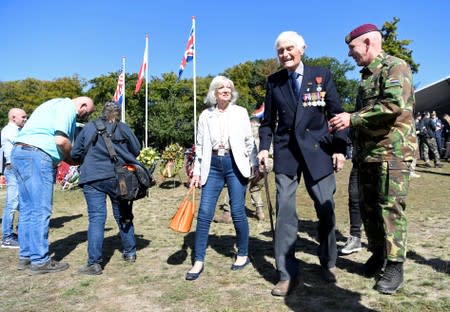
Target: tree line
(170, 104)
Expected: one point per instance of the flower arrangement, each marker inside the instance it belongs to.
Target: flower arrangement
(172, 160)
(148, 157)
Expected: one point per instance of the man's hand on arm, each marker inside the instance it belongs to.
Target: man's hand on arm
(340, 121)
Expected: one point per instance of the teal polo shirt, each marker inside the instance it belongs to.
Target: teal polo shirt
(48, 118)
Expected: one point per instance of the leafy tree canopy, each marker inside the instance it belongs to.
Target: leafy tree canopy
(29, 93)
(397, 47)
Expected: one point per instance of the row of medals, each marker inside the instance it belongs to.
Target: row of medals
(316, 98)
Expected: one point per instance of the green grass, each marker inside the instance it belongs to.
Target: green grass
(156, 281)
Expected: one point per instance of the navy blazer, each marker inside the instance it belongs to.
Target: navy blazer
(299, 131)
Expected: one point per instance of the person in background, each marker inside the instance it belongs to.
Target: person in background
(224, 206)
(385, 141)
(446, 134)
(98, 180)
(16, 120)
(257, 183)
(428, 141)
(299, 100)
(353, 243)
(44, 141)
(226, 153)
(437, 132)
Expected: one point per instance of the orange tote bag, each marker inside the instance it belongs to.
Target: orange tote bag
(182, 219)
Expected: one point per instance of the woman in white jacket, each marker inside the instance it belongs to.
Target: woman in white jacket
(225, 153)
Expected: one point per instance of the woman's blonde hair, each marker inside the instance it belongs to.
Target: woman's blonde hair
(217, 83)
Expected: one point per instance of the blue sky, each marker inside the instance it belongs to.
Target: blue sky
(48, 39)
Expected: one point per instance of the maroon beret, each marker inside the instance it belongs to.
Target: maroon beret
(360, 30)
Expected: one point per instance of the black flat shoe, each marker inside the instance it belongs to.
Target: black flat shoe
(193, 276)
(235, 267)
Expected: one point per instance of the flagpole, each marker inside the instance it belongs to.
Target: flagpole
(146, 92)
(194, 81)
(123, 99)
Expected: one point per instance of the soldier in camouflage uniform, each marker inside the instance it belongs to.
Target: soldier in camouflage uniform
(385, 140)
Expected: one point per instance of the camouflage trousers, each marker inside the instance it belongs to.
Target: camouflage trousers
(255, 186)
(383, 188)
(430, 144)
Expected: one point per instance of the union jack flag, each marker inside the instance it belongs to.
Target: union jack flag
(189, 51)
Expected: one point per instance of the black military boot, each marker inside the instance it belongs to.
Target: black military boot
(392, 278)
(374, 264)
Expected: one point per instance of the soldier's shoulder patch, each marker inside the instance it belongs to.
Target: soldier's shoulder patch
(391, 82)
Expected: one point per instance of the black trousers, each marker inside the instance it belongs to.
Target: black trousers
(353, 203)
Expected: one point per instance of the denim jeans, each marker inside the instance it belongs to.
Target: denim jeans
(35, 175)
(223, 170)
(11, 204)
(95, 194)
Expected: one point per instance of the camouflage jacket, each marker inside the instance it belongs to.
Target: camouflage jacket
(384, 126)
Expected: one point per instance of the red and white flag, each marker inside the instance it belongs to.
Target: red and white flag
(143, 68)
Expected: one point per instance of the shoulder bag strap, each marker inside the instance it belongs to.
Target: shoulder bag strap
(101, 128)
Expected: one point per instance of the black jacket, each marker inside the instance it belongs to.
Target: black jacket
(298, 130)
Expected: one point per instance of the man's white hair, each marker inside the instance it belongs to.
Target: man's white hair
(290, 36)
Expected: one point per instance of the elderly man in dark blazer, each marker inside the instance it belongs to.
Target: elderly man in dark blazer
(299, 101)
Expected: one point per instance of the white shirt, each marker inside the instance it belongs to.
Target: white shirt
(9, 133)
(220, 135)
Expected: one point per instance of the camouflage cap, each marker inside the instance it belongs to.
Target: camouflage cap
(360, 30)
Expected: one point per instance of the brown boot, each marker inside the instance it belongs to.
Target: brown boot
(225, 217)
(283, 288)
(260, 213)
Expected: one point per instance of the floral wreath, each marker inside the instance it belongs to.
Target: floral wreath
(148, 157)
(172, 160)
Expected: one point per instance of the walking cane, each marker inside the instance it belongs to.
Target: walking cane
(269, 203)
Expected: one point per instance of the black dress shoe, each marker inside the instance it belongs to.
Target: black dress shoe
(129, 258)
(193, 276)
(235, 267)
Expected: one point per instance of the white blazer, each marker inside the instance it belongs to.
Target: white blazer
(241, 141)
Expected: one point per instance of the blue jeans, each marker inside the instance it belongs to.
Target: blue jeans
(35, 174)
(11, 204)
(223, 169)
(95, 194)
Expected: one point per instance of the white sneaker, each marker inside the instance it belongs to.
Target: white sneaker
(353, 244)
(414, 175)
